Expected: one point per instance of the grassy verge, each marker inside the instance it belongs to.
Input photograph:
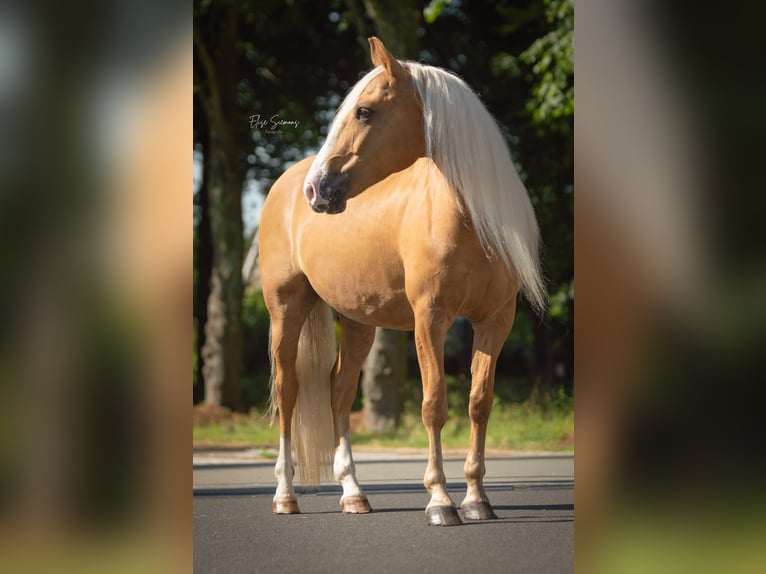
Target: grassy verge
(517, 426)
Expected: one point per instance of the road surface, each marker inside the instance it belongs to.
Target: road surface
(235, 531)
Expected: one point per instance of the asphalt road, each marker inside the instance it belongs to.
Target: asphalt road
(235, 531)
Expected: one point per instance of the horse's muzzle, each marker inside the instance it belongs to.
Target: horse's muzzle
(333, 189)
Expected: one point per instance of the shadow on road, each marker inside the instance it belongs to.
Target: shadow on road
(230, 465)
(373, 488)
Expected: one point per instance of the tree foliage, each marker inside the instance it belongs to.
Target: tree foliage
(552, 61)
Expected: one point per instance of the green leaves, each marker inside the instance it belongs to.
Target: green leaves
(561, 301)
(504, 63)
(434, 10)
(552, 59)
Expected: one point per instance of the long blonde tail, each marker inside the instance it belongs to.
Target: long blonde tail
(313, 434)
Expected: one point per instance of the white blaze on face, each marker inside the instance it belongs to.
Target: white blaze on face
(319, 167)
(317, 171)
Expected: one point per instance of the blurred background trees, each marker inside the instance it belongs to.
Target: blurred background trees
(297, 59)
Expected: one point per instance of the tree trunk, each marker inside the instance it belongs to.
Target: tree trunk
(222, 351)
(396, 23)
(203, 257)
(385, 372)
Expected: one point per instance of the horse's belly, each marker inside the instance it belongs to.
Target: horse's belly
(380, 304)
(396, 314)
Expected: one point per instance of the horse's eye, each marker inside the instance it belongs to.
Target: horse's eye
(363, 114)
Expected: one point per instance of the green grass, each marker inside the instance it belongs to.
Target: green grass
(253, 430)
(517, 426)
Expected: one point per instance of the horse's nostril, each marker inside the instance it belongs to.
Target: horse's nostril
(310, 192)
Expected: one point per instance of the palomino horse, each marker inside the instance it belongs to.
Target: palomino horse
(411, 215)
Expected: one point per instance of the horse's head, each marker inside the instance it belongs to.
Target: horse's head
(378, 130)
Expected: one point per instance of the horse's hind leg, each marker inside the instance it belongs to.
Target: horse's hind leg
(288, 311)
(488, 341)
(356, 340)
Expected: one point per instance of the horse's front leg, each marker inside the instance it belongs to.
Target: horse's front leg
(287, 318)
(284, 349)
(430, 330)
(356, 340)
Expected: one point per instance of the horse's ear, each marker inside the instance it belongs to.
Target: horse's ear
(380, 57)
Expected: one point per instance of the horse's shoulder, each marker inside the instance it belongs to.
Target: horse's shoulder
(293, 175)
(285, 188)
(431, 230)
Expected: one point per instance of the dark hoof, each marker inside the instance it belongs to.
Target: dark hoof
(443, 516)
(477, 511)
(285, 505)
(355, 505)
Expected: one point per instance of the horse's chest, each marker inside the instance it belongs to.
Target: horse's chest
(359, 277)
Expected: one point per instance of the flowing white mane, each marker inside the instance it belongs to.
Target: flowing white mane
(465, 143)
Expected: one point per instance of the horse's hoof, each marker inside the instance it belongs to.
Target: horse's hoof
(477, 511)
(285, 505)
(443, 516)
(355, 505)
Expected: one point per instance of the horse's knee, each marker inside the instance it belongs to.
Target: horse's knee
(434, 412)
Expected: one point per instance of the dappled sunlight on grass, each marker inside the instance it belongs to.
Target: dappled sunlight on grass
(234, 429)
(516, 426)
(511, 426)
